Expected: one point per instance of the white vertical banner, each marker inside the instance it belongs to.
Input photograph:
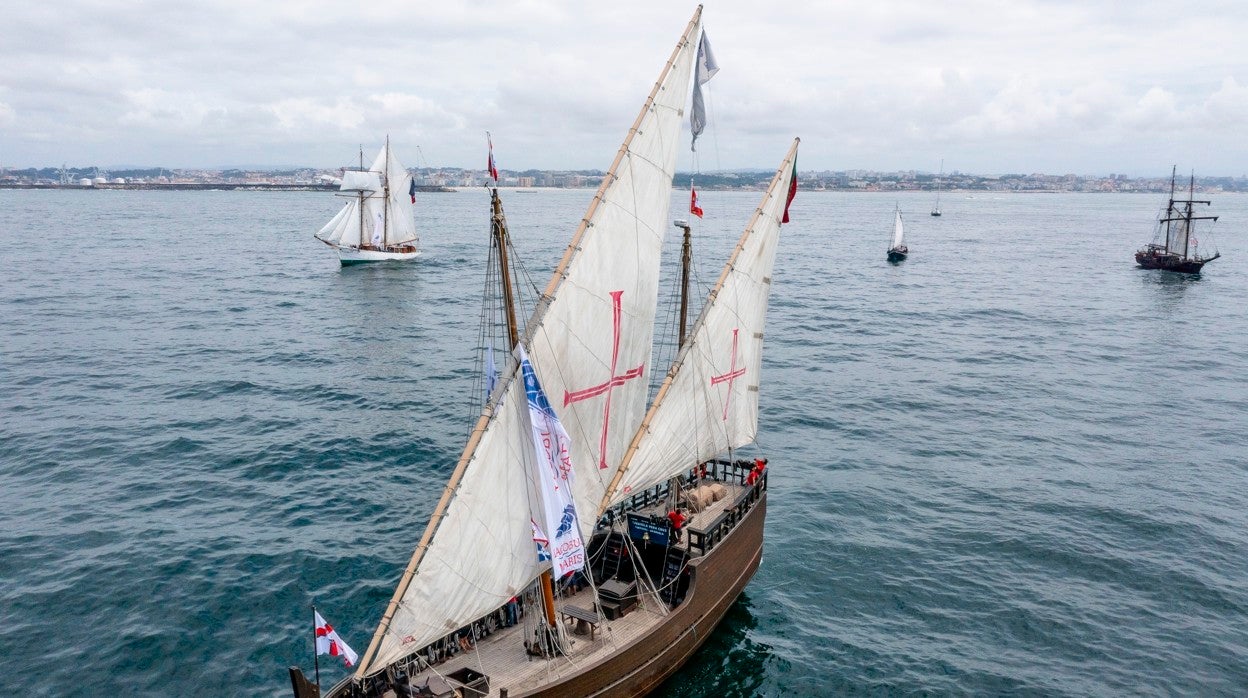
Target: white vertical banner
(555, 475)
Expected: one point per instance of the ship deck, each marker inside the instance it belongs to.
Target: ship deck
(502, 657)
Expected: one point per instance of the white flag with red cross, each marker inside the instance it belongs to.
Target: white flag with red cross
(328, 642)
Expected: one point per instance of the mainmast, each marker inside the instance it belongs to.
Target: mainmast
(385, 205)
(686, 256)
(360, 194)
(498, 231)
(1170, 206)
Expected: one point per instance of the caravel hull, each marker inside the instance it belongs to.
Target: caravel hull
(715, 583)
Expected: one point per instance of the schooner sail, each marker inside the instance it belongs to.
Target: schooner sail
(377, 223)
(588, 344)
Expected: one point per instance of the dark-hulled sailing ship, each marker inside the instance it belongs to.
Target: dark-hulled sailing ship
(671, 517)
(1175, 246)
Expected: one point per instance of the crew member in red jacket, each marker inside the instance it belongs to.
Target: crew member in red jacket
(678, 522)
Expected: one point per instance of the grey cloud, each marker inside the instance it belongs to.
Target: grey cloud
(1071, 86)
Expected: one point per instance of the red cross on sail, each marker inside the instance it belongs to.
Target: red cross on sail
(613, 381)
(733, 372)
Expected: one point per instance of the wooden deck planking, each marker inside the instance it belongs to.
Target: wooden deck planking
(501, 656)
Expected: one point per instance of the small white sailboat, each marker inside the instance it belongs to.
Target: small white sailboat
(378, 223)
(936, 208)
(898, 250)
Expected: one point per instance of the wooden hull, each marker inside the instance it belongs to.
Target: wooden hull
(715, 583)
(732, 538)
(1174, 263)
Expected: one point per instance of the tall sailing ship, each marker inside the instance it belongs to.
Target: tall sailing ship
(378, 222)
(1175, 246)
(587, 543)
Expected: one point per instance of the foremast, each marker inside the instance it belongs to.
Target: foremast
(499, 236)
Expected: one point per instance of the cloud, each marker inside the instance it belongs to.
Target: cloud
(889, 85)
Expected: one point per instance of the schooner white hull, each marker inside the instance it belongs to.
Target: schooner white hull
(354, 255)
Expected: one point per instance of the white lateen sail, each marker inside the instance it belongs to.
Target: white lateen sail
(709, 401)
(590, 344)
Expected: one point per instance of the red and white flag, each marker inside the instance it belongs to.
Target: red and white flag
(328, 642)
(491, 168)
(694, 208)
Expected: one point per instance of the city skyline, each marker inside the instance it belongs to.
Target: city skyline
(1027, 87)
(435, 178)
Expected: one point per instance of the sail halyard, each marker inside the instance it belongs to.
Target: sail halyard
(477, 549)
(683, 426)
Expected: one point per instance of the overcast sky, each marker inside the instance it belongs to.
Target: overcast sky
(1024, 86)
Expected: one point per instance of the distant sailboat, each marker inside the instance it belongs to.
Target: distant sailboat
(936, 208)
(898, 250)
(378, 223)
(1175, 247)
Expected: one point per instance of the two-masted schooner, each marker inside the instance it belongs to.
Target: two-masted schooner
(1175, 246)
(663, 522)
(378, 222)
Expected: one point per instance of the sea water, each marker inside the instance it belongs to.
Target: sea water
(1013, 463)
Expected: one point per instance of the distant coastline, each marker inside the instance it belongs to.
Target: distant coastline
(446, 179)
(197, 186)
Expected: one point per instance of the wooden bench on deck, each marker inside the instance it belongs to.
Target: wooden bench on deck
(583, 617)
